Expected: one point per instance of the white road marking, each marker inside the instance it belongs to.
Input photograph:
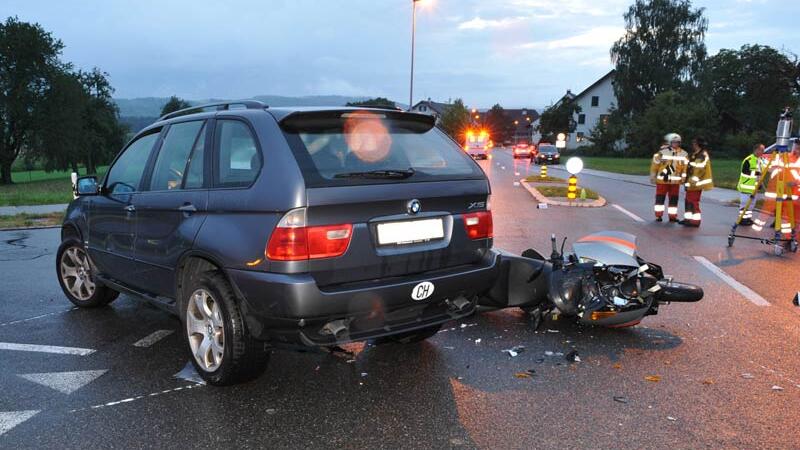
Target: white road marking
(745, 291)
(10, 419)
(138, 397)
(64, 382)
(152, 338)
(37, 317)
(46, 349)
(628, 213)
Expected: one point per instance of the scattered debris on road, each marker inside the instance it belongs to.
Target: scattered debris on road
(653, 378)
(708, 381)
(748, 376)
(620, 399)
(671, 418)
(522, 375)
(515, 350)
(777, 388)
(573, 357)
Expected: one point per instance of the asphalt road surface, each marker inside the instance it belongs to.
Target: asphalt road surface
(728, 366)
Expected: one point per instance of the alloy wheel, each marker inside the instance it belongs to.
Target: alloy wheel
(205, 329)
(76, 273)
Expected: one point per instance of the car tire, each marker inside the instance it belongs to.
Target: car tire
(410, 337)
(75, 273)
(219, 344)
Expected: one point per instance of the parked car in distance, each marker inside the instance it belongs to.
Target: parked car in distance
(547, 154)
(264, 226)
(522, 150)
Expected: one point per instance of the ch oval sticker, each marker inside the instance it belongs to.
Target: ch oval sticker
(422, 291)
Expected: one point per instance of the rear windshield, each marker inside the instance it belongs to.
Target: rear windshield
(547, 149)
(335, 148)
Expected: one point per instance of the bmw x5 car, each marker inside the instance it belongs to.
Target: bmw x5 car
(263, 226)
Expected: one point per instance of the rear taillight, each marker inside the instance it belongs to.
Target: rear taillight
(479, 225)
(292, 240)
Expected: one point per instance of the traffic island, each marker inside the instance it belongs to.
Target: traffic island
(555, 194)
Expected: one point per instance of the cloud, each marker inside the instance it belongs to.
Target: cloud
(548, 9)
(599, 37)
(481, 24)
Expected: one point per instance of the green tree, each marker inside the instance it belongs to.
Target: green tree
(558, 118)
(103, 133)
(455, 120)
(663, 49)
(607, 135)
(374, 102)
(499, 125)
(28, 58)
(672, 112)
(749, 86)
(59, 139)
(174, 103)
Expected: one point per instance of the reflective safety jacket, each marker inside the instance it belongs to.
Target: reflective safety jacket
(698, 175)
(749, 174)
(669, 166)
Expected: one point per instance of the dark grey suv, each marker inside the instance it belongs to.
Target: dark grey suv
(262, 226)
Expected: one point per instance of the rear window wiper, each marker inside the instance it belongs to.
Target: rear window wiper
(388, 173)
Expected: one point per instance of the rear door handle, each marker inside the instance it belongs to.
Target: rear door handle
(130, 208)
(187, 208)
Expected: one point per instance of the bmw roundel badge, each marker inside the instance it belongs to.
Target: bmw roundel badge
(414, 206)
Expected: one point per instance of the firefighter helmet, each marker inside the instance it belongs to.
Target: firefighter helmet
(672, 137)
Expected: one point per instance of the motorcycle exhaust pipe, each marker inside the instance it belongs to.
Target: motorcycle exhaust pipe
(673, 291)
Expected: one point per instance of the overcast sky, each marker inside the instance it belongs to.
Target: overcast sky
(515, 52)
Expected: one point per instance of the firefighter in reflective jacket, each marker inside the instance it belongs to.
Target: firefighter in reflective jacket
(668, 172)
(752, 165)
(698, 179)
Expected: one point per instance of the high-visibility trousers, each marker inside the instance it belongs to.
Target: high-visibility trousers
(662, 192)
(692, 207)
(743, 199)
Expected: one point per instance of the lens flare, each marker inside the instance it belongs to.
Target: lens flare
(367, 136)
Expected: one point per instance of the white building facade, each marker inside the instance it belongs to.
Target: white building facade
(596, 102)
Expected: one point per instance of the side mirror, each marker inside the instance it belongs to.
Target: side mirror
(86, 186)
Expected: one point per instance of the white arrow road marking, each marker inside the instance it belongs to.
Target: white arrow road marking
(64, 382)
(152, 338)
(628, 213)
(46, 349)
(745, 291)
(10, 419)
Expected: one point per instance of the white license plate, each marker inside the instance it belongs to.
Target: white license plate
(410, 231)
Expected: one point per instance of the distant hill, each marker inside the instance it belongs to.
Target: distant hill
(151, 106)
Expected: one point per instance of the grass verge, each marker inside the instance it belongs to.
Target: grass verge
(725, 171)
(561, 191)
(43, 189)
(25, 220)
(548, 179)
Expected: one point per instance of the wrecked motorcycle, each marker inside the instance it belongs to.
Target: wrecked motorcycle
(603, 282)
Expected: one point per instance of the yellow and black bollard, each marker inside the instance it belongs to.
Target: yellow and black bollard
(572, 189)
(543, 172)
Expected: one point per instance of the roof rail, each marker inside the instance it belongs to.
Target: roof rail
(221, 106)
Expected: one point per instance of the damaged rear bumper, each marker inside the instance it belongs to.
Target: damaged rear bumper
(291, 308)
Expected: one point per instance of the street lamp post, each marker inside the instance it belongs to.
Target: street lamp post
(413, 33)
